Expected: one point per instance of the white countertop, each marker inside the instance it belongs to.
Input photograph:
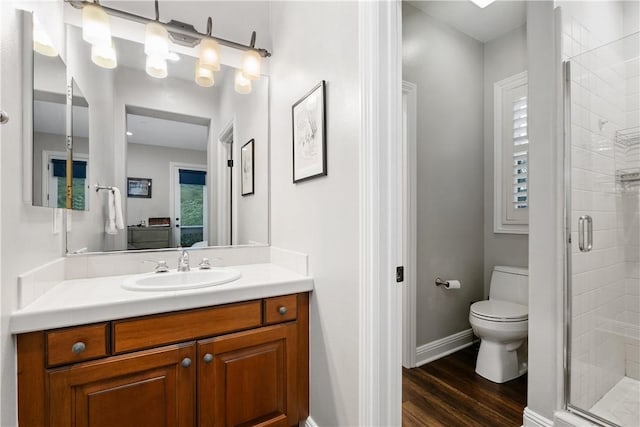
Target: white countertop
(83, 301)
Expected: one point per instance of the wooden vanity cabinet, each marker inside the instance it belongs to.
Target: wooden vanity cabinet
(254, 376)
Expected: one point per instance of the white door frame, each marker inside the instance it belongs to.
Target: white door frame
(380, 168)
(226, 140)
(174, 171)
(409, 222)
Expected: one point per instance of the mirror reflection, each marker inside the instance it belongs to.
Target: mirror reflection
(173, 150)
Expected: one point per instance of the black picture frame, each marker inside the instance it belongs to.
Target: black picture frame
(247, 165)
(309, 160)
(139, 188)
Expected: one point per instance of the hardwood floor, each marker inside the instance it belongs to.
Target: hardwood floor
(449, 393)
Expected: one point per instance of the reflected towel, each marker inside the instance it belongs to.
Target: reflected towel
(114, 213)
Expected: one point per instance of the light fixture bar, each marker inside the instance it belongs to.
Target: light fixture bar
(174, 29)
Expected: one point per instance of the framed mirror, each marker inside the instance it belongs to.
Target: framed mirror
(172, 149)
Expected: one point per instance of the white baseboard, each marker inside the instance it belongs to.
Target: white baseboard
(308, 423)
(533, 419)
(443, 347)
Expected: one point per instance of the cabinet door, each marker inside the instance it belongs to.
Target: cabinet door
(249, 378)
(149, 388)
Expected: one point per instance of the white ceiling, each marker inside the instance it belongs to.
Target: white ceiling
(164, 132)
(483, 25)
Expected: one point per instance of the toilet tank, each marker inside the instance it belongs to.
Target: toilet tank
(510, 284)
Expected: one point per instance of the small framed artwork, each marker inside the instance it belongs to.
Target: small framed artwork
(139, 187)
(246, 163)
(309, 135)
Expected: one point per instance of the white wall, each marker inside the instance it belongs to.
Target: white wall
(447, 67)
(314, 41)
(27, 238)
(96, 84)
(136, 88)
(546, 222)
(250, 112)
(149, 161)
(503, 57)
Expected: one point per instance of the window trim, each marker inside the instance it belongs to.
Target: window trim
(500, 222)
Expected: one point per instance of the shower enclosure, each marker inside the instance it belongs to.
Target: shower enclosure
(602, 149)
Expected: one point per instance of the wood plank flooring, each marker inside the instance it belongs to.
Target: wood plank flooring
(449, 393)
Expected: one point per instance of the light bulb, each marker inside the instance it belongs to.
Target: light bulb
(41, 41)
(95, 25)
(210, 54)
(204, 76)
(156, 40)
(104, 56)
(251, 61)
(156, 66)
(242, 84)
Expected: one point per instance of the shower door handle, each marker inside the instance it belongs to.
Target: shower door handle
(585, 236)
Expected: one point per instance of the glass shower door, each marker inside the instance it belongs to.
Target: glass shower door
(602, 109)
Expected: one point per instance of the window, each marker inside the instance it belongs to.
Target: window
(511, 155)
(54, 186)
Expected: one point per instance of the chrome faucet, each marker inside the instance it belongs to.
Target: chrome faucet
(183, 261)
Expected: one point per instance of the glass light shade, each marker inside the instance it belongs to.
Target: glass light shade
(210, 54)
(242, 84)
(204, 76)
(251, 61)
(482, 3)
(95, 25)
(104, 56)
(156, 40)
(41, 41)
(156, 66)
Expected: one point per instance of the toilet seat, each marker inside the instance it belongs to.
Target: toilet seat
(499, 311)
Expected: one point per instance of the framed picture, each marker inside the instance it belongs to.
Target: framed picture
(246, 162)
(139, 187)
(309, 135)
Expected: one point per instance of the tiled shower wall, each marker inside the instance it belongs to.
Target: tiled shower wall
(599, 282)
(630, 210)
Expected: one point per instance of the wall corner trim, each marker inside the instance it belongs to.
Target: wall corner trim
(443, 347)
(309, 422)
(533, 419)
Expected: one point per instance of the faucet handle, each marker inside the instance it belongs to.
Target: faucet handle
(161, 266)
(204, 264)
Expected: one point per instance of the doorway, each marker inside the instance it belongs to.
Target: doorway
(190, 207)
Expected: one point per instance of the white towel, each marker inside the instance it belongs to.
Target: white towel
(114, 215)
(118, 208)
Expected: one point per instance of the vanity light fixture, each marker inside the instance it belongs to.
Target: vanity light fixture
(156, 66)
(242, 84)
(204, 76)
(104, 56)
(482, 3)
(42, 43)
(95, 25)
(157, 35)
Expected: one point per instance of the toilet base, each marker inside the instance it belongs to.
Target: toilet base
(500, 362)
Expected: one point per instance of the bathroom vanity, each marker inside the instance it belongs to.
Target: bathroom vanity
(217, 359)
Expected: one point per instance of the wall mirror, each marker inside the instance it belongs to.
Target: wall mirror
(171, 147)
(57, 173)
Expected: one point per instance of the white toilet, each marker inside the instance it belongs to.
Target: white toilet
(501, 323)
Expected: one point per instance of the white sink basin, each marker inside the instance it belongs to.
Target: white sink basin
(179, 280)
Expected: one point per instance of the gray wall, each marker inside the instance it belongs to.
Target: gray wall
(503, 57)
(149, 161)
(447, 67)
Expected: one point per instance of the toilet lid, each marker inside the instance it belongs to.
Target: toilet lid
(496, 311)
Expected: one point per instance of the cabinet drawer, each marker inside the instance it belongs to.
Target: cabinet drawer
(280, 309)
(77, 344)
(152, 331)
